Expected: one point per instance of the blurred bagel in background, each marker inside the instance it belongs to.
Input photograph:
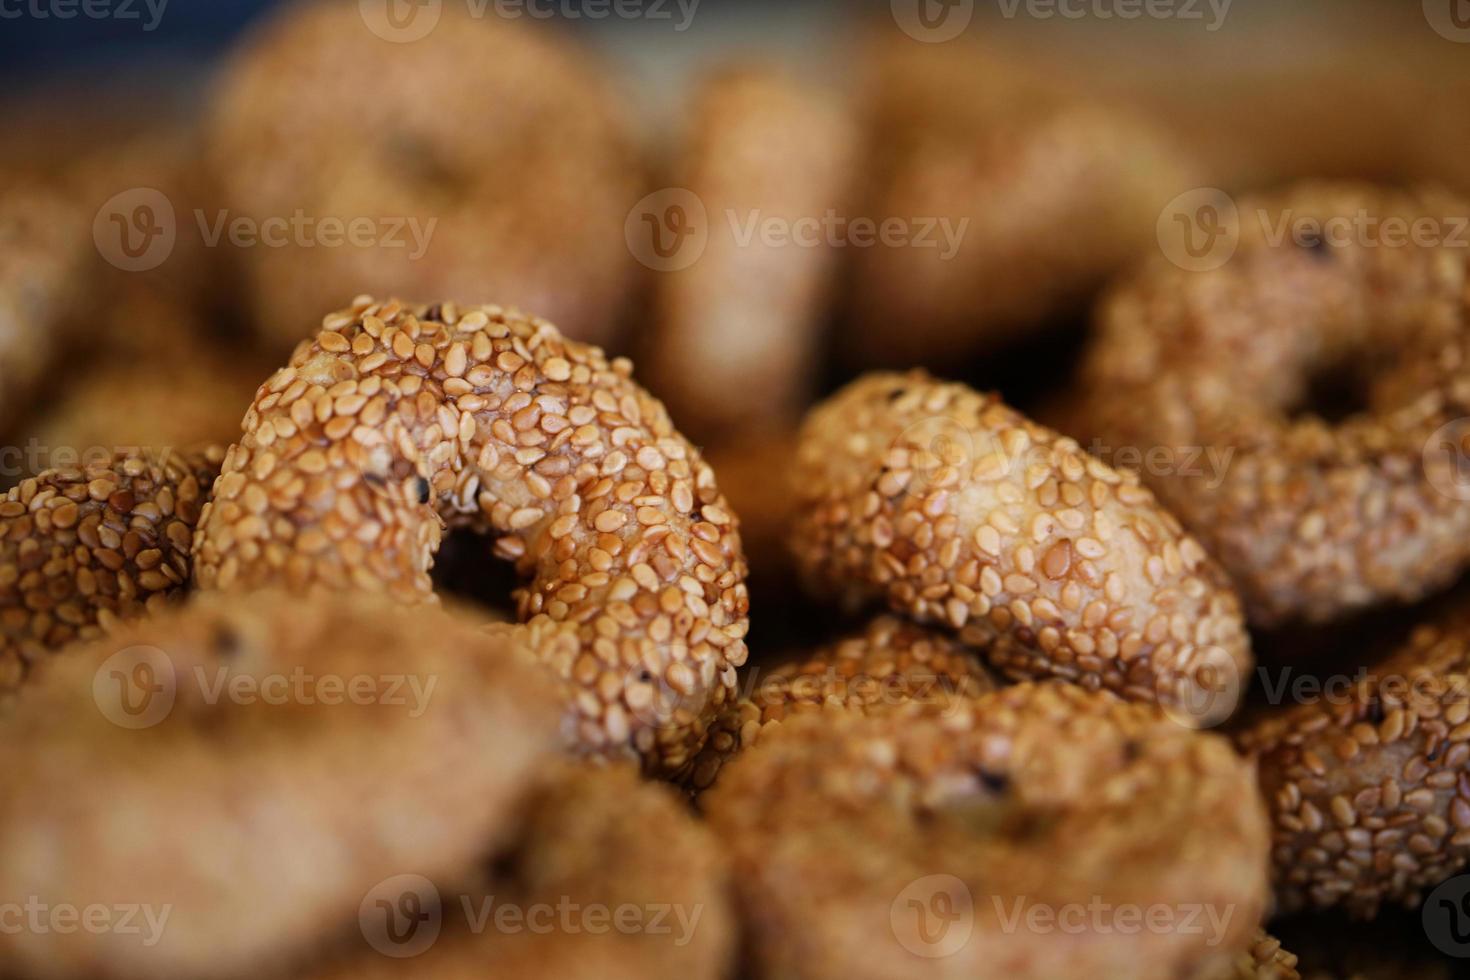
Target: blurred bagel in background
(488, 158)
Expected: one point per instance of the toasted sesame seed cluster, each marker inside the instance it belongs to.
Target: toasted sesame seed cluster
(228, 751)
(890, 663)
(396, 421)
(1313, 519)
(83, 549)
(763, 147)
(1369, 788)
(977, 809)
(489, 158)
(1265, 960)
(958, 511)
(602, 839)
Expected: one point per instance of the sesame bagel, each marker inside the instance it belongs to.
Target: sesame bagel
(254, 766)
(590, 843)
(746, 316)
(396, 421)
(488, 157)
(1368, 785)
(926, 840)
(1312, 518)
(83, 548)
(958, 511)
(1019, 194)
(891, 662)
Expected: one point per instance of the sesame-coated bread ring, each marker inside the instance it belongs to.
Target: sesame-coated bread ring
(747, 315)
(592, 842)
(851, 833)
(395, 422)
(83, 548)
(1368, 784)
(255, 765)
(891, 662)
(1020, 196)
(959, 511)
(1312, 518)
(491, 156)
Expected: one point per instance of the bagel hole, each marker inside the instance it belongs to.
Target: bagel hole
(466, 569)
(1334, 392)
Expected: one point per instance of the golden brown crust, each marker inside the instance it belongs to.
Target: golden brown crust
(497, 137)
(84, 548)
(394, 421)
(1368, 784)
(737, 331)
(957, 510)
(1040, 796)
(890, 663)
(1312, 519)
(262, 763)
(591, 844)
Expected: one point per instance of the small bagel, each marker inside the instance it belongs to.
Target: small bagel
(891, 662)
(84, 548)
(1368, 788)
(395, 421)
(1021, 195)
(259, 764)
(591, 843)
(489, 157)
(957, 510)
(1312, 519)
(747, 315)
(1036, 797)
